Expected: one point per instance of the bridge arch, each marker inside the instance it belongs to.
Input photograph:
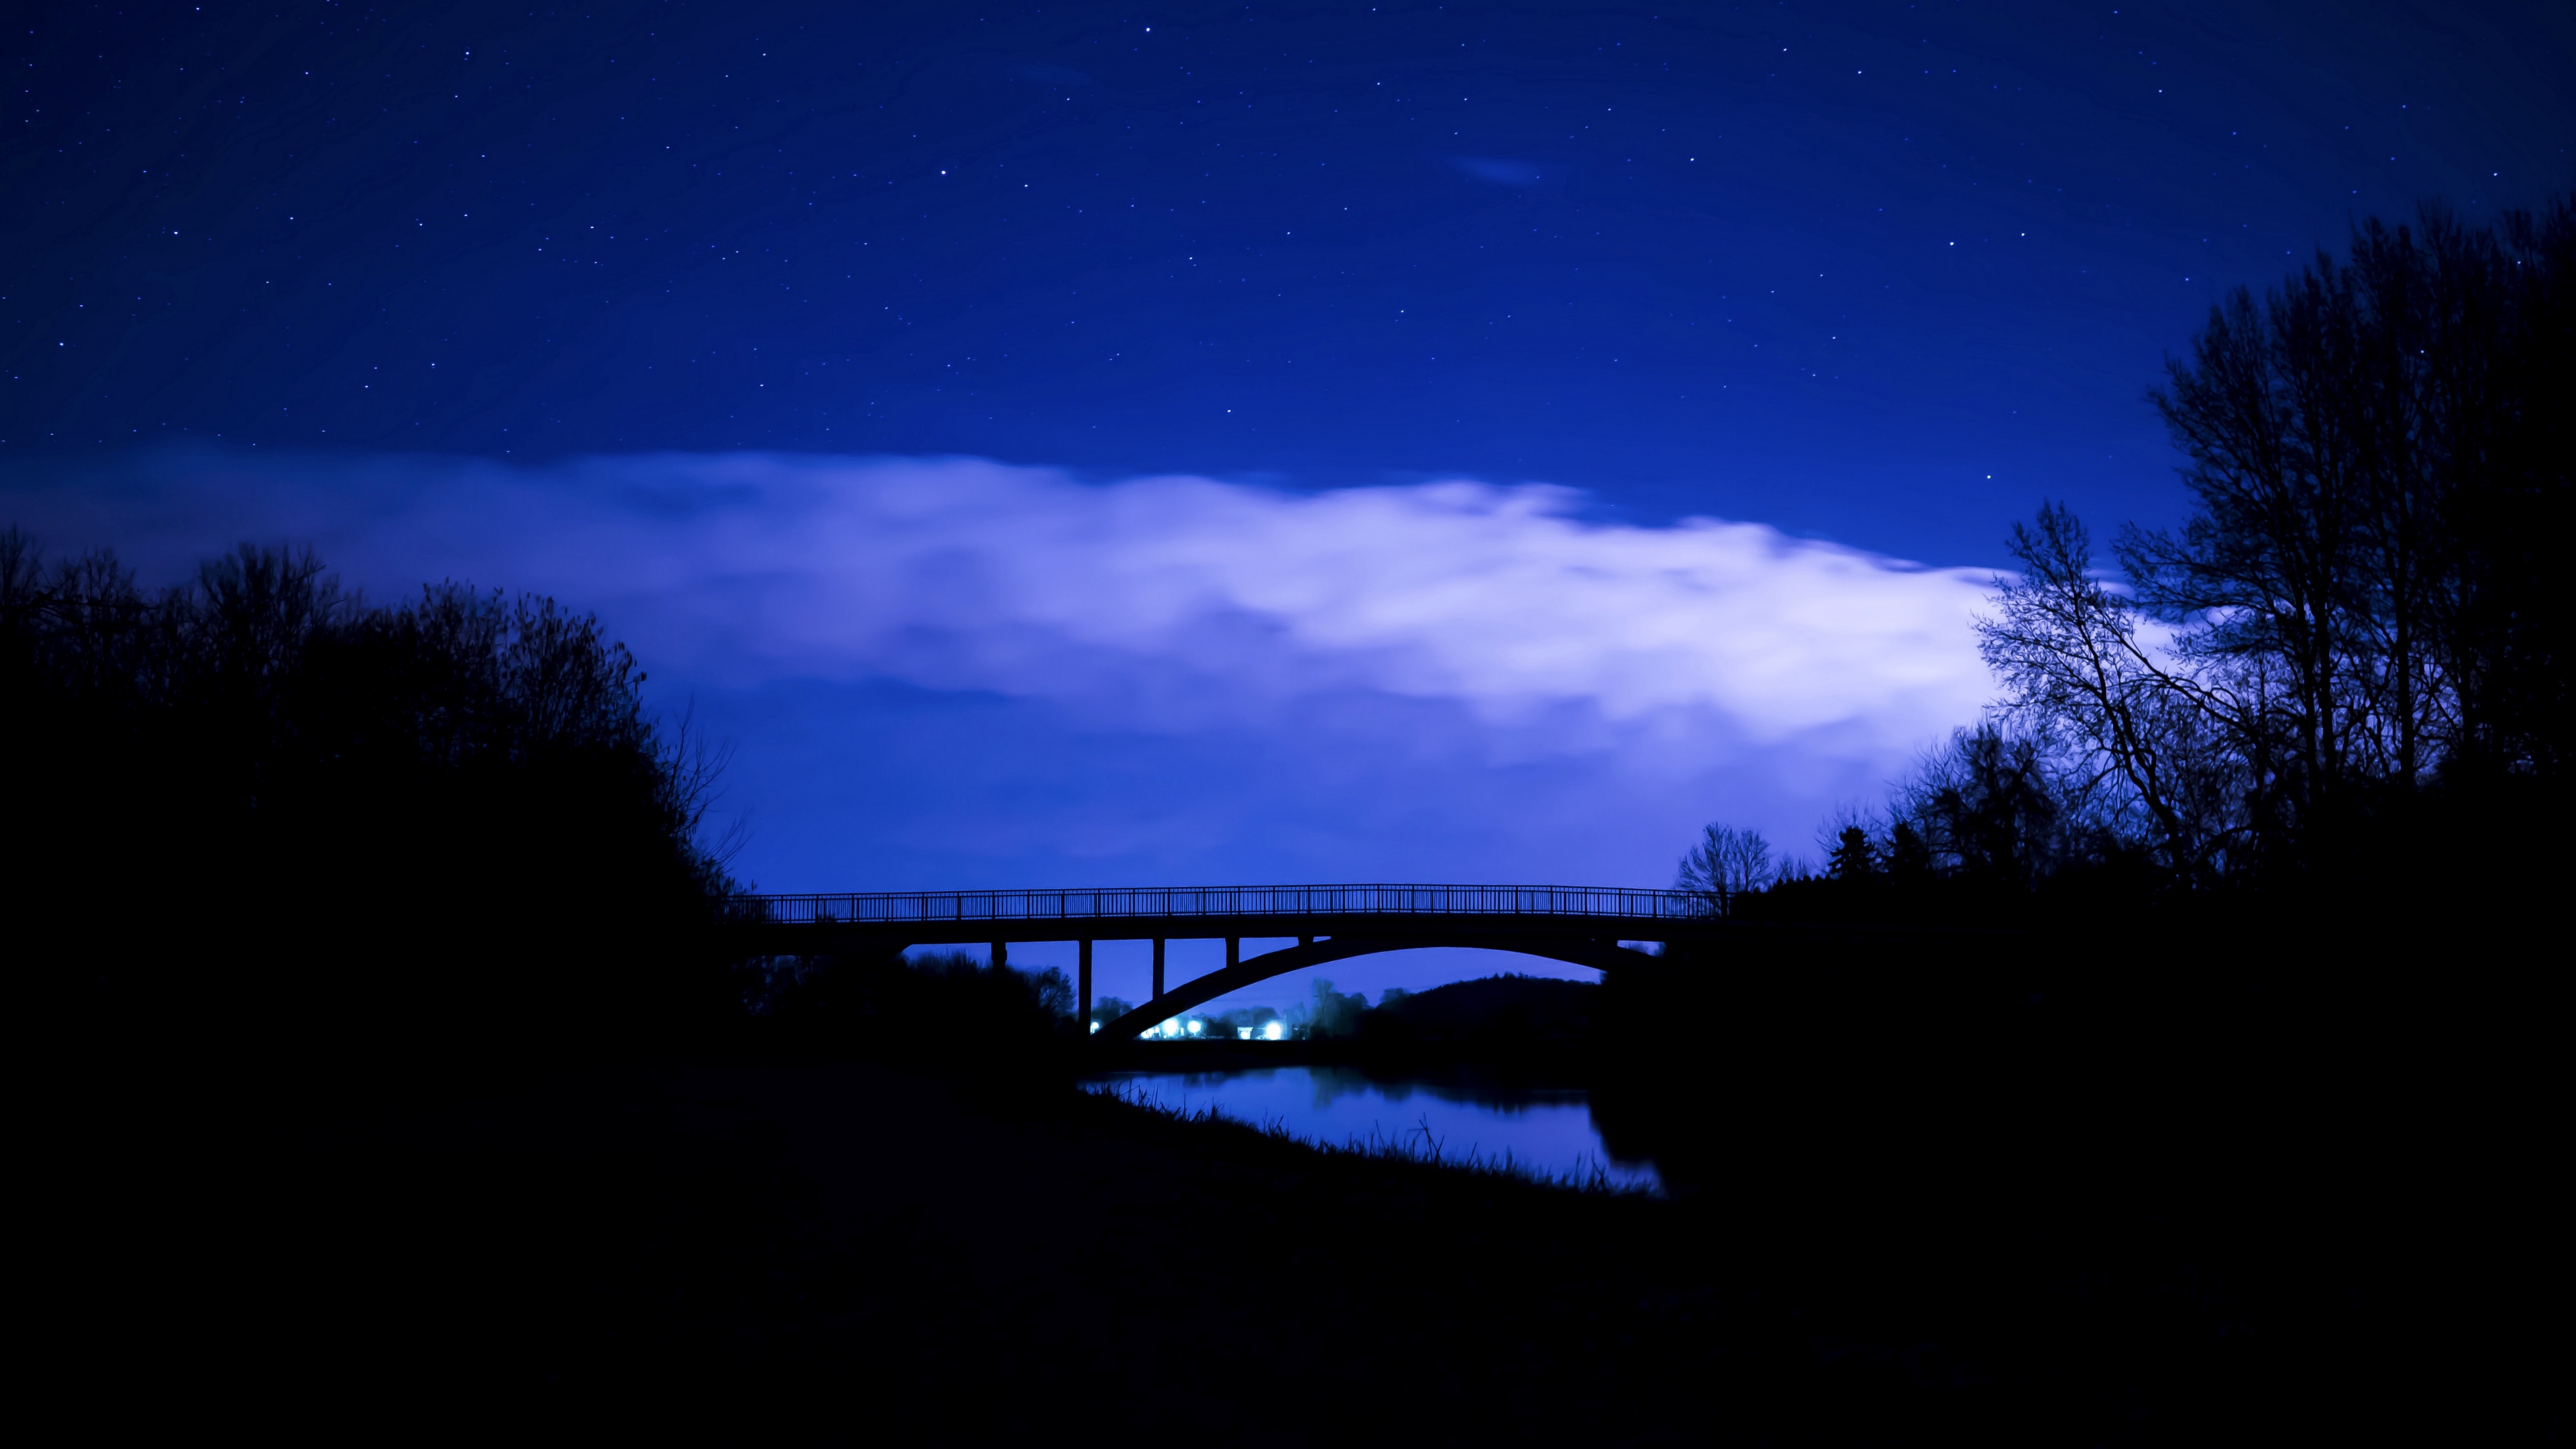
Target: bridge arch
(1600, 955)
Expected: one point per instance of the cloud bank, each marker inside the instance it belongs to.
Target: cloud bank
(1471, 678)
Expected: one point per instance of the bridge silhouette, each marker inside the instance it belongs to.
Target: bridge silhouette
(1581, 925)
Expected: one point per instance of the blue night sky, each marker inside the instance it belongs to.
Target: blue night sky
(1099, 445)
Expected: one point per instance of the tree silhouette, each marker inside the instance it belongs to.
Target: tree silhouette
(1854, 857)
(2078, 670)
(1727, 863)
(2362, 605)
(448, 825)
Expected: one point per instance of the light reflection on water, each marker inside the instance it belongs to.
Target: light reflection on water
(1547, 1131)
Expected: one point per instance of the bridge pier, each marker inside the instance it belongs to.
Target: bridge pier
(1001, 954)
(1083, 1014)
(1233, 952)
(1158, 968)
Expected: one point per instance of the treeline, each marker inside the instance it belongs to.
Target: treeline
(255, 813)
(996, 1026)
(2343, 677)
(1499, 1016)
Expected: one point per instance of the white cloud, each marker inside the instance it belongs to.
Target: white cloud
(1652, 656)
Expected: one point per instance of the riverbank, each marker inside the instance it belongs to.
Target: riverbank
(879, 1254)
(860, 1251)
(2175, 1206)
(872, 1253)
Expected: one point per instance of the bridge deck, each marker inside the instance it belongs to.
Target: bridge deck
(1184, 912)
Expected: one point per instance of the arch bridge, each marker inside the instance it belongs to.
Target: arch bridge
(1581, 925)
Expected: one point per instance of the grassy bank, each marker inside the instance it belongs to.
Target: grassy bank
(2295, 1195)
(875, 1252)
(878, 1254)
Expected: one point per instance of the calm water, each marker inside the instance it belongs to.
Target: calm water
(1547, 1131)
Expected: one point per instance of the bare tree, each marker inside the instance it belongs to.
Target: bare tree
(1727, 863)
(2376, 451)
(2265, 569)
(2363, 599)
(2143, 735)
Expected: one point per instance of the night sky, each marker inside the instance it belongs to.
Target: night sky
(1094, 444)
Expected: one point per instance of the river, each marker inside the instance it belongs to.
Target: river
(1548, 1132)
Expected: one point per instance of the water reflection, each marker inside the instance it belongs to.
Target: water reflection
(1548, 1131)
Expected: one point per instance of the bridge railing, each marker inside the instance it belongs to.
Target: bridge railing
(1188, 902)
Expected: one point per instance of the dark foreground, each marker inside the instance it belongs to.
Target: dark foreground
(756, 1250)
